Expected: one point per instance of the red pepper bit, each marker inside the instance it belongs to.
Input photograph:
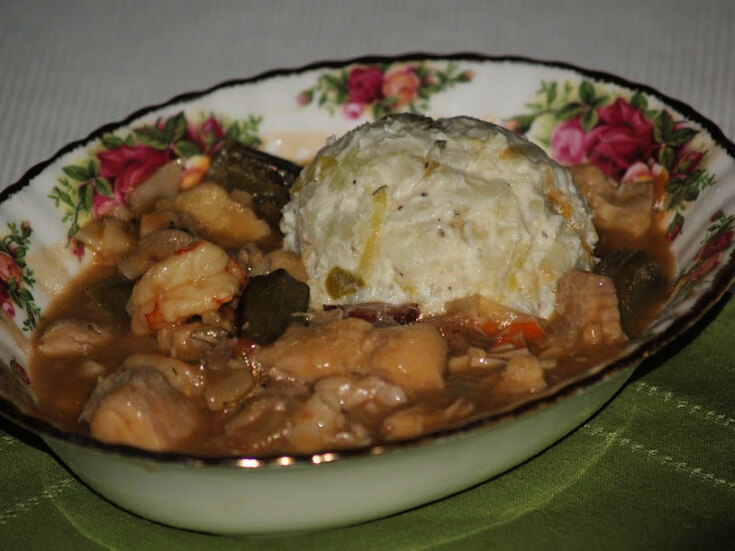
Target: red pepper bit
(245, 348)
(234, 269)
(518, 333)
(490, 328)
(188, 248)
(155, 319)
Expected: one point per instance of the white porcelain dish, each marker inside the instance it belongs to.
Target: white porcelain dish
(629, 130)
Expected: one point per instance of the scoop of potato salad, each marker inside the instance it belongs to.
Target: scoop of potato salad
(413, 210)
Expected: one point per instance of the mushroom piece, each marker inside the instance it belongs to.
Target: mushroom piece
(107, 236)
(72, 337)
(624, 207)
(164, 182)
(587, 314)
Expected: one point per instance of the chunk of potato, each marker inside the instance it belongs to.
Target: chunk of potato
(216, 217)
(414, 357)
(310, 353)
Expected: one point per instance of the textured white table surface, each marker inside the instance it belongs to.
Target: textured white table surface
(68, 67)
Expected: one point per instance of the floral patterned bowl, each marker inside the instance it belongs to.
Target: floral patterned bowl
(630, 132)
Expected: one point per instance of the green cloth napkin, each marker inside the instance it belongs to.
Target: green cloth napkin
(655, 469)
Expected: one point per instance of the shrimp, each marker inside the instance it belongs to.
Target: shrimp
(192, 281)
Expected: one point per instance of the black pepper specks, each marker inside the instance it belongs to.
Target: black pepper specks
(424, 194)
(442, 233)
(400, 207)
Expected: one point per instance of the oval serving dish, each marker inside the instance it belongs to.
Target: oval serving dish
(572, 113)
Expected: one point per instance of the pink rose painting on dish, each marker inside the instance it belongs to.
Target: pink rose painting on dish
(10, 274)
(621, 137)
(381, 89)
(16, 278)
(102, 182)
(5, 305)
(20, 371)
(353, 110)
(127, 167)
(401, 84)
(567, 142)
(365, 84)
(206, 135)
(719, 238)
(624, 137)
(9, 270)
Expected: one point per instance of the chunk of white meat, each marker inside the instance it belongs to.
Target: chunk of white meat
(184, 377)
(192, 281)
(91, 369)
(191, 341)
(587, 312)
(209, 210)
(263, 418)
(413, 357)
(371, 394)
(319, 426)
(72, 337)
(261, 425)
(419, 419)
(625, 207)
(310, 353)
(478, 307)
(108, 237)
(164, 182)
(243, 197)
(523, 374)
(289, 416)
(153, 248)
(158, 220)
(476, 358)
(140, 408)
(226, 387)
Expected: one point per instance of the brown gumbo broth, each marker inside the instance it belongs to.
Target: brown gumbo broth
(169, 372)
